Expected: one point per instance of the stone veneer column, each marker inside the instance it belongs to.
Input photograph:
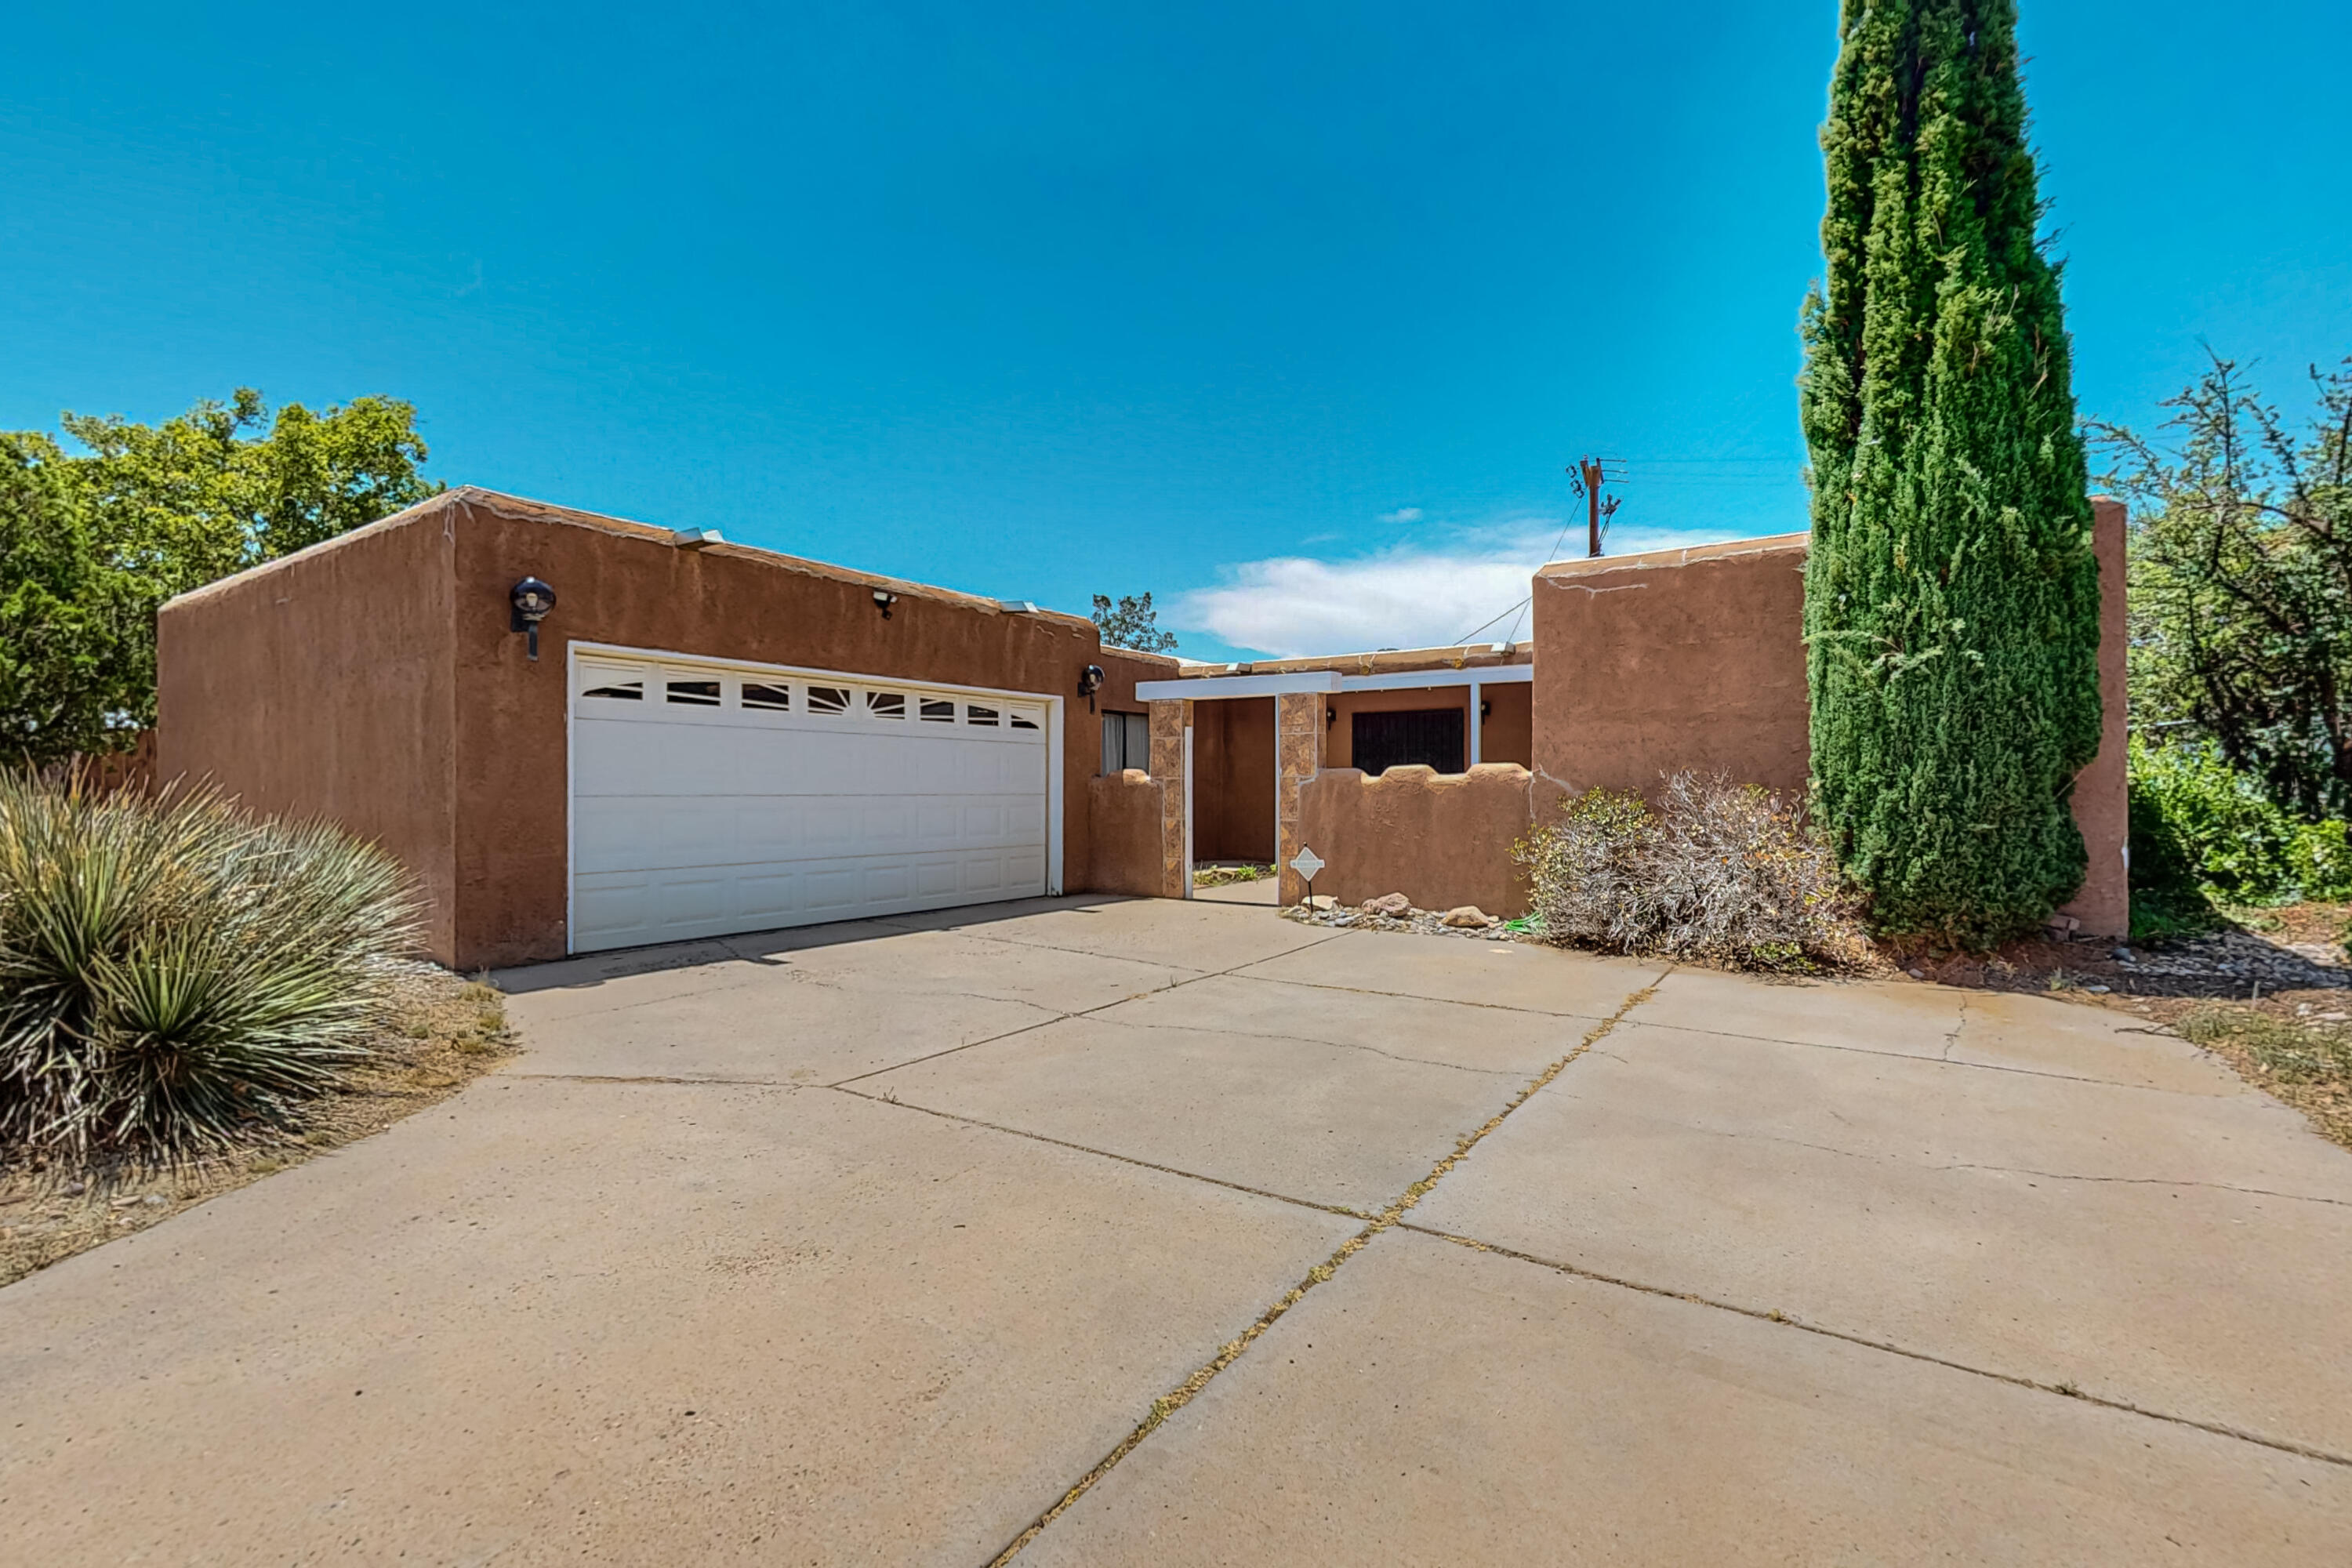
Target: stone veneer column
(1168, 722)
(1297, 757)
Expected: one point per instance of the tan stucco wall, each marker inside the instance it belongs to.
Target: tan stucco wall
(1693, 658)
(324, 686)
(374, 680)
(1123, 814)
(1647, 665)
(2102, 793)
(1510, 730)
(1441, 839)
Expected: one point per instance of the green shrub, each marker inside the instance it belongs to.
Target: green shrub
(177, 973)
(1719, 871)
(2202, 834)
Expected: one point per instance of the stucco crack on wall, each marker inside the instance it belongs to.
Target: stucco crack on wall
(1183, 1394)
(1774, 1315)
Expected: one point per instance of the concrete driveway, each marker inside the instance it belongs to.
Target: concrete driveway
(883, 1243)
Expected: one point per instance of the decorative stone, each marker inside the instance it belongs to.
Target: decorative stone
(1468, 917)
(1396, 906)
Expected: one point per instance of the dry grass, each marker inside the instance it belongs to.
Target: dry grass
(447, 1031)
(2289, 1047)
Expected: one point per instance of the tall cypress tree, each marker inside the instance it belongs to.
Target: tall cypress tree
(1951, 597)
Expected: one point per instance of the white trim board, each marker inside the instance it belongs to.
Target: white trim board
(1414, 680)
(1213, 685)
(1210, 688)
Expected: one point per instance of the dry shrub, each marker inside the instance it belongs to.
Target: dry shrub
(1724, 872)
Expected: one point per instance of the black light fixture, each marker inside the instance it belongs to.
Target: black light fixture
(1330, 716)
(531, 600)
(883, 600)
(1090, 680)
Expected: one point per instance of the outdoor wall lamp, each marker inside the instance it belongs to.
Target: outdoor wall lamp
(531, 600)
(1090, 680)
(883, 600)
(1330, 716)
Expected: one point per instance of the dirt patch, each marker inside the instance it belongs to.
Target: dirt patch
(445, 1031)
(1224, 874)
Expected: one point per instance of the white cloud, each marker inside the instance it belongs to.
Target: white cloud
(1403, 514)
(1294, 605)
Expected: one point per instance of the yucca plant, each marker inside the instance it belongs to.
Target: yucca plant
(178, 974)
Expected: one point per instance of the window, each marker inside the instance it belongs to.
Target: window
(977, 713)
(885, 704)
(774, 698)
(619, 691)
(1023, 718)
(1430, 736)
(937, 711)
(694, 693)
(1126, 741)
(828, 699)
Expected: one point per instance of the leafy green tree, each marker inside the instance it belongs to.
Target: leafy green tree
(76, 661)
(1132, 622)
(224, 486)
(1951, 597)
(2241, 584)
(92, 546)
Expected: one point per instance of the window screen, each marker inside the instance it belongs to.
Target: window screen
(1126, 741)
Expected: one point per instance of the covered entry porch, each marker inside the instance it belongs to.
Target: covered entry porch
(1248, 738)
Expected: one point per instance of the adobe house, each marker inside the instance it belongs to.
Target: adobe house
(706, 737)
(583, 733)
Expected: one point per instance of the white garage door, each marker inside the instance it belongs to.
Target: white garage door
(709, 799)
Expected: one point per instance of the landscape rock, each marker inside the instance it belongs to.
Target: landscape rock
(1468, 917)
(1396, 906)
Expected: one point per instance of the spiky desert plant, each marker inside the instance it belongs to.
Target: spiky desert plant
(177, 975)
(1951, 597)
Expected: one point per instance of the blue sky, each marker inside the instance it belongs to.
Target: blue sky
(1293, 315)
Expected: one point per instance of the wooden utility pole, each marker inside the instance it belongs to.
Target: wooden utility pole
(1592, 473)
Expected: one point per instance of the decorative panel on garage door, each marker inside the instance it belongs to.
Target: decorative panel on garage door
(712, 800)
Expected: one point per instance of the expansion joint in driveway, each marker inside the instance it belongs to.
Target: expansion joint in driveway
(1233, 1350)
(1064, 1017)
(2066, 1390)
